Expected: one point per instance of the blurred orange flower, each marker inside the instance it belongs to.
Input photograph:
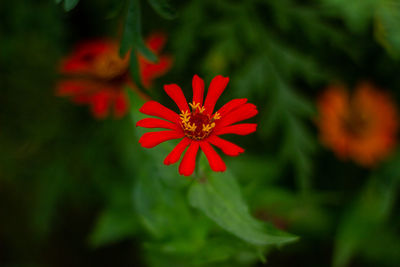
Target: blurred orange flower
(361, 126)
(97, 76)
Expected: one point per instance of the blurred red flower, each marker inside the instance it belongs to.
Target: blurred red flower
(361, 127)
(97, 75)
(198, 125)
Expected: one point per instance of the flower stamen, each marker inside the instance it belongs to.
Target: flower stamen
(196, 124)
(207, 128)
(196, 106)
(217, 116)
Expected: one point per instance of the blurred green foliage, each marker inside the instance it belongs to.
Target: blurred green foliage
(75, 191)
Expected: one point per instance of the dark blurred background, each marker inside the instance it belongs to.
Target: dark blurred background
(78, 191)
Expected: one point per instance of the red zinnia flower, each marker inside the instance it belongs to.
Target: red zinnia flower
(97, 75)
(361, 126)
(198, 125)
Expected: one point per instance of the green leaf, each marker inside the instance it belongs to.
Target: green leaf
(134, 68)
(219, 197)
(383, 246)
(287, 111)
(50, 191)
(132, 37)
(264, 170)
(387, 26)
(132, 40)
(116, 9)
(163, 8)
(357, 14)
(367, 214)
(68, 4)
(112, 226)
(284, 207)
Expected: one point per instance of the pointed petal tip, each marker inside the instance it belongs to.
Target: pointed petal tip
(154, 108)
(240, 150)
(139, 123)
(141, 142)
(186, 172)
(214, 159)
(143, 107)
(168, 86)
(227, 147)
(222, 170)
(236, 153)
(152, 139)
(176, 94)
(252, 106)
(176, 153)
(198, 89)
(188, 163)
(216, 88)
(220, 167)
(239, 129)
(144, 144)
(221, 79)
(167, 162)
(219, 76)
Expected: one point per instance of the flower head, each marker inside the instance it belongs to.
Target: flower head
(197, 124)
(97, 75)
(361, 126)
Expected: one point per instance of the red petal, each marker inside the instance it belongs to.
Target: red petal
(73, 65)
(121, 105)
(157, 123)
(215, 90)
(75, 87)
(85, 54)
(176, 94)
(240, 129)
(227, 147)
(149, 71)
(198, 89)
(215, 161)
(149, 140)
(231, 105)
(188, 162)
(242, 113)
(100, 104)
(81, 99)
(156, 41)
(154, 108)
(176, 153)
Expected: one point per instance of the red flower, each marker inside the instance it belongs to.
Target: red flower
(97, 75)
(198, 125)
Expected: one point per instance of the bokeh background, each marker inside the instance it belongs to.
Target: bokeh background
(80, 191)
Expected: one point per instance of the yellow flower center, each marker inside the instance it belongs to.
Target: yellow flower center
(356, 122)
(110, 66)
(196, 124)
